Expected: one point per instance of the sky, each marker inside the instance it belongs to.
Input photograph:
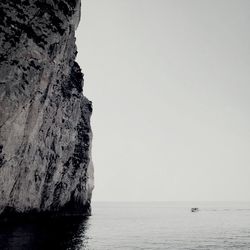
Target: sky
(170, 86)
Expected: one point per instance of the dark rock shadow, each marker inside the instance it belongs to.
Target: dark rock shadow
(49, 233)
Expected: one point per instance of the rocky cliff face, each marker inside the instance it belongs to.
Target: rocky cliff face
(45, 134)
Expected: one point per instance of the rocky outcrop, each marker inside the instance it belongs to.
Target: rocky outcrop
(45, 134)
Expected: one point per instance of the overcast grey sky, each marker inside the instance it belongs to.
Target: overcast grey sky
(170, 85)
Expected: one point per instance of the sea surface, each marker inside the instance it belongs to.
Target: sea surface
(156, 225)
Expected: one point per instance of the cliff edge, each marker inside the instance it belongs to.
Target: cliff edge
(45, 133)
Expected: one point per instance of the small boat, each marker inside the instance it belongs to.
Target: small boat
(194, 209)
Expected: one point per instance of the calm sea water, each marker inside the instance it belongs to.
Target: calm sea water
(138, 226)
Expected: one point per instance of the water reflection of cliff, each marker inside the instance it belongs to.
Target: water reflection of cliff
(57, 234)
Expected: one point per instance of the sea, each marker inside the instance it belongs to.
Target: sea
(137, 225)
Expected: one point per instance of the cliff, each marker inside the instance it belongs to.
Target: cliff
(45, 133)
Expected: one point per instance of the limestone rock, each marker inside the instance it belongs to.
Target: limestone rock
(45, 133)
